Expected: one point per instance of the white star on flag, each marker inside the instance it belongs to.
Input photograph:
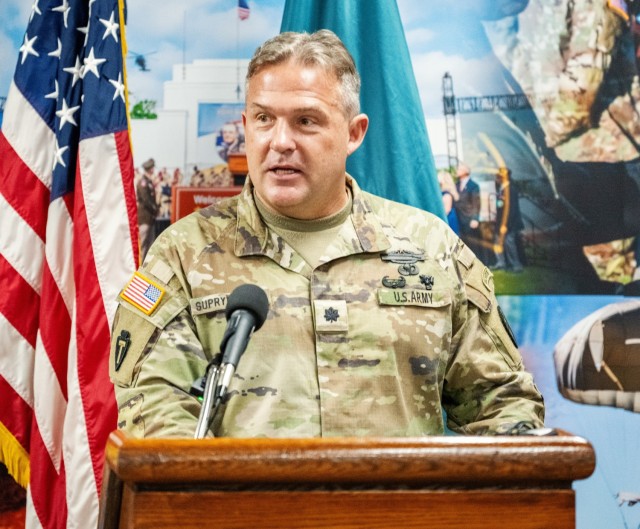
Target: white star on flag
(64, 9)
(35, 10)
(57, 52)
(66, 114)
(58, 155)
(55, 93)
(91, 64)
(77, 70)
(119, 86)
(111, 27)
(27, 48)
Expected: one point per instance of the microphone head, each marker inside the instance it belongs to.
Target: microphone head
(251, 298)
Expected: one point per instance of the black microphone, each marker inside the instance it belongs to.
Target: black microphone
(247, 309)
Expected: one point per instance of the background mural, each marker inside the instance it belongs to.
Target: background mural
(539, 99)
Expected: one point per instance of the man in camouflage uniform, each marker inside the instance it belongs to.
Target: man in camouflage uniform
(379, 316)
(147, 207)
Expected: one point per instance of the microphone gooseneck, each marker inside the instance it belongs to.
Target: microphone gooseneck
(246, 312)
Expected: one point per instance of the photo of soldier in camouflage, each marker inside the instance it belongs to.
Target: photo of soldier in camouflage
(577, 63)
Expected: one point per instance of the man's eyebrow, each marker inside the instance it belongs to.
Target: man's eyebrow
(310, 110)
(299, 110)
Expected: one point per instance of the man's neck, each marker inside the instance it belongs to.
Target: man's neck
(310, 238)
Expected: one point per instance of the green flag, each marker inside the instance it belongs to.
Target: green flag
(395, 160)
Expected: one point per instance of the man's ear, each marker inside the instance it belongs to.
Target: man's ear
(357, 130)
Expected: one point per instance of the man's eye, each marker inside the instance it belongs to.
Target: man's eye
(262, 118)
(306, 121)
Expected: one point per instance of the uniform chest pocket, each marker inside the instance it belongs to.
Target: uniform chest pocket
(418, 319)
(408, 324)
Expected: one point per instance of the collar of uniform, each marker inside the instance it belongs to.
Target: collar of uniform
(253, 237)
(252, 234)
(365, 221)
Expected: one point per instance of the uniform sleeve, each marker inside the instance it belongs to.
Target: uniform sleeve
(155, 358)
(587, 47)
(486, 389)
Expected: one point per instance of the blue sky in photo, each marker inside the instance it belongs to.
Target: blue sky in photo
(439, 38)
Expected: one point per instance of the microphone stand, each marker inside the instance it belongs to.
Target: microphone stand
(210, 403)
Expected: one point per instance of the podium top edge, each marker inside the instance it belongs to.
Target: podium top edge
(552, 459)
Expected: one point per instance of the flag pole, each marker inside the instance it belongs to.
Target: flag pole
(238, 90)
(184, 78)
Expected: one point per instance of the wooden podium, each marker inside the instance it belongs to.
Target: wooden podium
(434, 482)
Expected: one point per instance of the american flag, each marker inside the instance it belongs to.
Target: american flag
(243, 9)
(142, 293)
(68, 244)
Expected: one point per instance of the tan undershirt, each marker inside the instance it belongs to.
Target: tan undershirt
(310, 238)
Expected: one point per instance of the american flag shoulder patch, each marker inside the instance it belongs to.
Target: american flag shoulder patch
(143, 293)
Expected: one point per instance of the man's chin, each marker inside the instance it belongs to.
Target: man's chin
(286, 203)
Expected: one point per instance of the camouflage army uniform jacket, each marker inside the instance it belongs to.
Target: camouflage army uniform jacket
(368, 343)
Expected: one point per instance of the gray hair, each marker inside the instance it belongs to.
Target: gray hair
(322, 48)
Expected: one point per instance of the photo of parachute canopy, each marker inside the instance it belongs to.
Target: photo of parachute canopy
(597, 361)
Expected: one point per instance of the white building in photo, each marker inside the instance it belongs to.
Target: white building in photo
(173, 139)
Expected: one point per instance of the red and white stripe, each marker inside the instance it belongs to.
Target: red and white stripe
(61, 267)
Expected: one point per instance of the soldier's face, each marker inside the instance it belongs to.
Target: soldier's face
(229, 134)
(298, 139)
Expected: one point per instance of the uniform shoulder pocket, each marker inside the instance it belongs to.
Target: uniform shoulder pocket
(147, 305)
(131, 333)
(478, 282)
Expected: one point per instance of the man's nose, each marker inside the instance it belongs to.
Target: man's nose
(282, 139)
